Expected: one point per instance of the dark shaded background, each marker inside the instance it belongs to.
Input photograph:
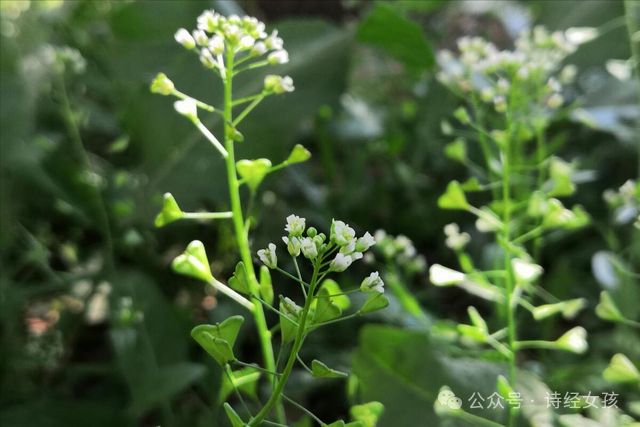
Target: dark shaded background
(95, 326)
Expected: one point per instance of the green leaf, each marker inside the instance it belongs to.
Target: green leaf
(472, 332)
(506, 391)
(476, 319)
(376, 301)
(235, 419)
(170, 211)
(253, 171)
(193, 262)
(560, 172)
(239, 281)
(608, 310)
(326, 309)
(218, 339)
(472, 184)
(299, 154)
(399, 37)
(338, 423)
(333, 288)
(453, 198)
(456, 150)
(266, 288)
(621, 370)
(368, 414)
(320, 370)
(245, 380)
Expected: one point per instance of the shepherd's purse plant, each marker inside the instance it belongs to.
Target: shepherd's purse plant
(229, 46)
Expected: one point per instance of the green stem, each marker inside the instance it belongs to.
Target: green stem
(506, 219)
(632, 13)
(282, 381)
(247, 110)
(249, 365)
(542, 154)
(242, 240)
(305, 410)
(200, 104)
(207, 215)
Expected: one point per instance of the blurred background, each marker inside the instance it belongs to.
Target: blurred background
(95, 325)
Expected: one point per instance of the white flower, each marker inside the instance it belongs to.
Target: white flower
(341, 233)
(268, 256)
(525, 272)
(187, 107)
(295, 225)
(278, 57)
(293, 245)
(581, 35)
(341, 262)
(207, 59)
(247, 42)
(201, 37)
(373, 283)
(208, 21)
(309, 248)
(216, 45)
(259, 49)
(441, 276)
(365, 242)
(286, 85)
(555, 101)
(183, 37)
(274, 42)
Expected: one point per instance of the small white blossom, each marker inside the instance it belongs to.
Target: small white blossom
(293, 245)
(259, 49)
(581, 35)
(247, 42)
(341, 262)
(208, 21)
(207, 59)
(309, 248)
(442, 276)
(201, 37)
(290, 307)
(268, 256)
(187, 107)
(555, 101)
(525, 272)
(274, 42)
(183, 37)
(373, 283)
(278, 57)
(365, 242)
(455, 240)
(342, 234)
(295, 225)
(216, 45)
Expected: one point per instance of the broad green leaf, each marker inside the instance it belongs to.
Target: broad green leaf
(299, 154)
(375, 301)
(368, 414)
(245, 380)
(399, 37)
(239, 281)
(607, 309)
(338, 423)
(266, 288)
(218, 339)
(320, 370)
(170, 211)
(326, 309)
(235, 419)
(193, 262)
(453, 198)
(621, 370)
(333, 288)
(456, 150)
(253, 171)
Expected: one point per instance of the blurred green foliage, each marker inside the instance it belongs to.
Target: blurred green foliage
(95, 327)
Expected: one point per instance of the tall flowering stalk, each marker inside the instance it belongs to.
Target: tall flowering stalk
(513, 96)
(229, 46)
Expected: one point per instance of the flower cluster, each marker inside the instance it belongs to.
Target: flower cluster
(455, 239)
(400, 249)
(315, 246)
(532, 70)
(216, 35)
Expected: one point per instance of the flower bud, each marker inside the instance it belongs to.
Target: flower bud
(183, 37)
(162, 85)
(312, 232)
(278, 57)
(293, 245)
(309, 248)
(268, 256)
(373, 283)
(207, 59)
(200, 37)
(259, 49)
(216, 45)
(274, 42)
(365, 242)
(341, 263)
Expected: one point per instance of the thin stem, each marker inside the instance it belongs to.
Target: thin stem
(207, 215)
(329, 322)
(232, 294)
(535, 233)
(231, 377)
(207, 134)
(275, 310)
(304, 365)
(302, 408)
(302, 320)
(304, 290)
(249, 365)
(542, 154)
(506, 220)
(241, 237)
(252, 66)
(291, 276)
(550, 345)
(200, 104)
(247, 110)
